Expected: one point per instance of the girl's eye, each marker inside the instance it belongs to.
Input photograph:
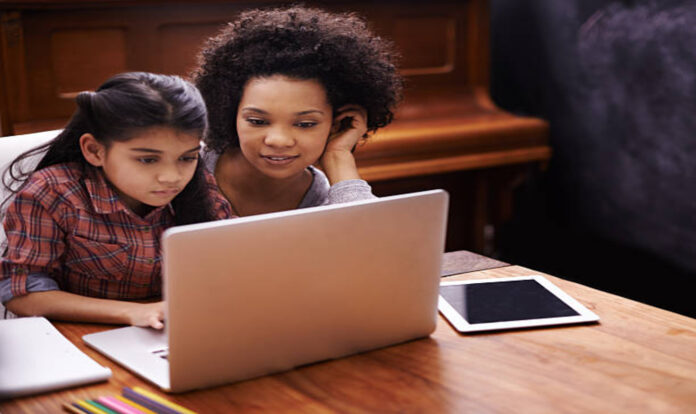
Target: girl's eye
(306, 124)
(256, 121)
(146, 160)
(189, 158)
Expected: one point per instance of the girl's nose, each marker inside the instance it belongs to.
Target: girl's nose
(170, 174)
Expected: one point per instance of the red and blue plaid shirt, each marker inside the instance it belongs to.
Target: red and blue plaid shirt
(70, 225)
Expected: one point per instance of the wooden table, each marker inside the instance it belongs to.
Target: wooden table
(637, 359)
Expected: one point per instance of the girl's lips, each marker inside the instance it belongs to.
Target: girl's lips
(166, 193)
(279, 159)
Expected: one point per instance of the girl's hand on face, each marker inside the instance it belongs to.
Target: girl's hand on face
(348, 127)
(147, 314)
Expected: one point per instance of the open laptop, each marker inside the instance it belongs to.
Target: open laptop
(252, 296)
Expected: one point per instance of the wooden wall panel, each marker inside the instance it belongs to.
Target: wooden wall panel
(67, 53)
(178, 44)
(447, 132)
(11, 62)
(436, 43)
(432, 50)
(78, 57)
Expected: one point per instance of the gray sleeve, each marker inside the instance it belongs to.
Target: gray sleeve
(322, 193)
(36, 282)
(349, 190)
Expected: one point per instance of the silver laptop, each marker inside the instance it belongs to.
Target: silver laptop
(252, 296)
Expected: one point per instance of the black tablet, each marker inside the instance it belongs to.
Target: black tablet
(506, 303)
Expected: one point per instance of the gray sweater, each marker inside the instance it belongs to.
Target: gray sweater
(320, 192)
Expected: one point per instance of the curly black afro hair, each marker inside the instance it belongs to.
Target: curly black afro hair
(354, 65)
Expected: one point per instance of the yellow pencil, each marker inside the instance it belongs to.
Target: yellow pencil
(162, 401)
(134, 405)
(89, 407)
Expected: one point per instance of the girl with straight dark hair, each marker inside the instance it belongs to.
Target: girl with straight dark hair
(83, 228)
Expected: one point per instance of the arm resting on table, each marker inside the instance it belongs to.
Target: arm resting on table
(57, 304)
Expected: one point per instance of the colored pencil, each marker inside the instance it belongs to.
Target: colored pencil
(83, 409)
(72, 409)
(161, 400)
(107, 410)
(146, 402)
(134, 405)
(91, 409)
(117, 406)
(101, 407)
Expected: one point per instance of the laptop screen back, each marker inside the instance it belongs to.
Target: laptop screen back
(256, 295)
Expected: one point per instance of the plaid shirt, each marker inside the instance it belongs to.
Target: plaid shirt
(71, 226)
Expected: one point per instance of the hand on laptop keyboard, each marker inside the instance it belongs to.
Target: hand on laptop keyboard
(146, 314)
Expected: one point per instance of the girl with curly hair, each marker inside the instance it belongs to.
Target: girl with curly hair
(287, 89)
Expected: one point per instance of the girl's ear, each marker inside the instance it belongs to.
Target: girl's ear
(93, 151)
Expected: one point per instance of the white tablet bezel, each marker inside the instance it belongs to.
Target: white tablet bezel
(461, 324)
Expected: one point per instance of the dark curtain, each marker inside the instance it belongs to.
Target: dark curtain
(616, 209)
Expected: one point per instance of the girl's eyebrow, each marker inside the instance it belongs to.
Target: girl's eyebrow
(261, 111)
(156, 151)
(196, 148)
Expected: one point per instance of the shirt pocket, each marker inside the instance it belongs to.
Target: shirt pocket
(96, 259)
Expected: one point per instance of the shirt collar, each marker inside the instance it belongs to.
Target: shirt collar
(103, 197)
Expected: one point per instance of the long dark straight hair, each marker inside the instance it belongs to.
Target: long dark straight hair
(120, 108)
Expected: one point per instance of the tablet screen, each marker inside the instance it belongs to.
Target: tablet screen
(508, 303)
(504, 301)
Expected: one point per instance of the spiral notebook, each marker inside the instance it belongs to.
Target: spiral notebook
(35, 358)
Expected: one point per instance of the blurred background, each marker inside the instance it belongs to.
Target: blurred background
(563, 130)
(616, 80)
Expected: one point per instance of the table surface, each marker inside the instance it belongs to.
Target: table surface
(637, 359)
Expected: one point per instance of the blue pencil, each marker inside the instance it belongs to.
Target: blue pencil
(74, 408)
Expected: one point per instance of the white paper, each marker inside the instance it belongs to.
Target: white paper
(35, 357)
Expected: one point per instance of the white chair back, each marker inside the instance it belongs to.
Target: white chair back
(10, 148)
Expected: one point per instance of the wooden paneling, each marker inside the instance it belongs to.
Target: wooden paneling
(69, 50)
(80, 56)
(176, 43)
(433, 51)
(446, 125)
(76, 45)
(11, 65)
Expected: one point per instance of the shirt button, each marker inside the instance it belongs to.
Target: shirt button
(20, 271)
(150, 261)
(146, 228)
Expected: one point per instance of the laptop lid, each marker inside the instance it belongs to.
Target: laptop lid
(256, 295)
